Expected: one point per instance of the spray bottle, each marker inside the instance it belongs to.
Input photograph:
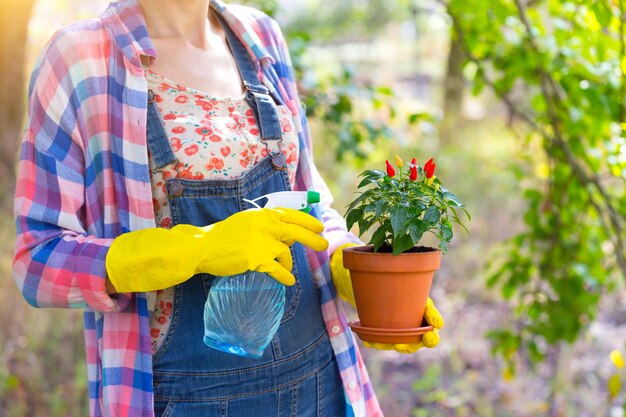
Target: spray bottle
(242, 312)
(297, 200)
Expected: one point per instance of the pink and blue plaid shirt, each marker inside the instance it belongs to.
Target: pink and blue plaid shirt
(83, 180)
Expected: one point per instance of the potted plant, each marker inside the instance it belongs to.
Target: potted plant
(392, 276)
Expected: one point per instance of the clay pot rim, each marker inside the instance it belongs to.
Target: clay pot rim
(357, 258)
(364, 250)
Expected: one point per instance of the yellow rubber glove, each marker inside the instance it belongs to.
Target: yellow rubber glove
(256, 240)
(343, 284)
(340, 275)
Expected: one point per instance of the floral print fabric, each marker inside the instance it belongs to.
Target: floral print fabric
(212, 138)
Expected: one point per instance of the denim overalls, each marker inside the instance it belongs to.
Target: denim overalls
(297, 374)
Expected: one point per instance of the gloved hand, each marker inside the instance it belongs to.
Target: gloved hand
(256, 239)
(343, 284)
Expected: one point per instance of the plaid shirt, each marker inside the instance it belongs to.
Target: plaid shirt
(83, 180)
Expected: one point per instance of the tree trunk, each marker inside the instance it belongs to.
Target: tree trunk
(14, 23)
(453, 93)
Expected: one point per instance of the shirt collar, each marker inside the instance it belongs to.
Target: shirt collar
(126, 21)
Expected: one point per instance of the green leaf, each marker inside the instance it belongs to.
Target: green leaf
(364, 195)
(384, 90)
(343, 105)
(367, 181)
(446, 232)
(402, 244)
(479, 82)
(493, 279)
(451, 198)
(365, 224)
(370, 208)
(417, 117)
(535, 354)
(602, 12)
(444, 246)
(353, 216)
(399, 216)
(380, 207)
(372, 173)
(614, 385)
(432, 214)
(378, 238)
(415, 233)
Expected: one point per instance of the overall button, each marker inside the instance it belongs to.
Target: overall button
(175, 188)
(278, 160)
(336, 329)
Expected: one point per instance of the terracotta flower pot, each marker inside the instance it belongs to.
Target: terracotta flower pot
(390, 292)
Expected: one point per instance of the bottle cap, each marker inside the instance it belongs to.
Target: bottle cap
(312, 197)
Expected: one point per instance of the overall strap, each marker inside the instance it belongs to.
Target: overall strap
(257, 95)
(158, 143)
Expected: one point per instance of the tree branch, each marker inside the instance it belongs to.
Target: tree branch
(622, 55)
(552, 100)
(553, 97)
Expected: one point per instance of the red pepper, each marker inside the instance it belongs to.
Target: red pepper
(413, 173)
(414, 161)
(429, 168)
(390, 171)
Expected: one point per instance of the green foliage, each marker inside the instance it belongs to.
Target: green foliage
(346, 18)
(558, 66)
(347, 109)
(404, 209)
(359, 115)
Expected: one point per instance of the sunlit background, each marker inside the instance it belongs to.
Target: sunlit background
(382, 78)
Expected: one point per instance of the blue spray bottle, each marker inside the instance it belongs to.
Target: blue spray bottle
(242, 312)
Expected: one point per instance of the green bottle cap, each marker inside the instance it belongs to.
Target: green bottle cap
(312, 197)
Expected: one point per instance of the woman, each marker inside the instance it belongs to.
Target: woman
(129, 184)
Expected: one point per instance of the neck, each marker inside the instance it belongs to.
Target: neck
(181, 19)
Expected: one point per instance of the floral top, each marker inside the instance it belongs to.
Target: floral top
(212, 138)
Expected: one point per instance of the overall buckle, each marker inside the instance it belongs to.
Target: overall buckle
(256, 88)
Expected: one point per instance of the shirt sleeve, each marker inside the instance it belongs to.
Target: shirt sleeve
(56, 262)
(335, 230)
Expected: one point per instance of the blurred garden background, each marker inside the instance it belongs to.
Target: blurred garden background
(522, 105)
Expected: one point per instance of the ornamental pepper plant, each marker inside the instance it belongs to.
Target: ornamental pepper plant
(404, 205)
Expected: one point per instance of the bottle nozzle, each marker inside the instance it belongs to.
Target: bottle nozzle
(312, 197)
